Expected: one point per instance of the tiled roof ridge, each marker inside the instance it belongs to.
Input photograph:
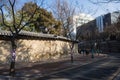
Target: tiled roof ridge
(33, 34)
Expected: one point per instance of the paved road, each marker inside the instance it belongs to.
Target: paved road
(31, 71)
(101, 70)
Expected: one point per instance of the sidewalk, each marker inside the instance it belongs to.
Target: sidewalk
(26, 71)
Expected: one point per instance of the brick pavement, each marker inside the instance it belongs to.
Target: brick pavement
(32, 70)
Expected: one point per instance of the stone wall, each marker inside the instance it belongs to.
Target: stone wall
(30, 50)
(4, 51)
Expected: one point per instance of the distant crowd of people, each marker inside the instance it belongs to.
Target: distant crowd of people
(92, 48)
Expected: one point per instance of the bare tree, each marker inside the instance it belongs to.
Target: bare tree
(64, 11)
(104, 1)
(8, 7)
(114, 29)
(118, 24)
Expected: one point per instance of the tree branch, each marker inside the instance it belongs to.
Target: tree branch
(10, 2)
(25, 25)
(3, 20)
(14, 2)
(13, 14)
(20, 19)
(104, 1)
(42, 1)
(29, 20)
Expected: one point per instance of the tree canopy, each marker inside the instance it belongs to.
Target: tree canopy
(43, 20)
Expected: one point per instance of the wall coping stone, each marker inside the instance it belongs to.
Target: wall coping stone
(35, 35)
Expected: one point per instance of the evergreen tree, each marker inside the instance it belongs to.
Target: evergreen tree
(43, 20)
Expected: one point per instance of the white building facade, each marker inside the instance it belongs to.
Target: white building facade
(78, 20)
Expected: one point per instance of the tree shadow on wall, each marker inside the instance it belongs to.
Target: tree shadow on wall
(5, 47)
(65, 49)
(23, 52)
(54, 52)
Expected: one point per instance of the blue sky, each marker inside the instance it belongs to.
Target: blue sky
(87, 7)
(93, 9)
(97, 9)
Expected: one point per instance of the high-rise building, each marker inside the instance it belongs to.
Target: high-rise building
(106, 20)
(98, 24)
(78, 20)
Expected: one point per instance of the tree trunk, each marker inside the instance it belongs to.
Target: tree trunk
(72, 46)
(13, 56)
(71, 57)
